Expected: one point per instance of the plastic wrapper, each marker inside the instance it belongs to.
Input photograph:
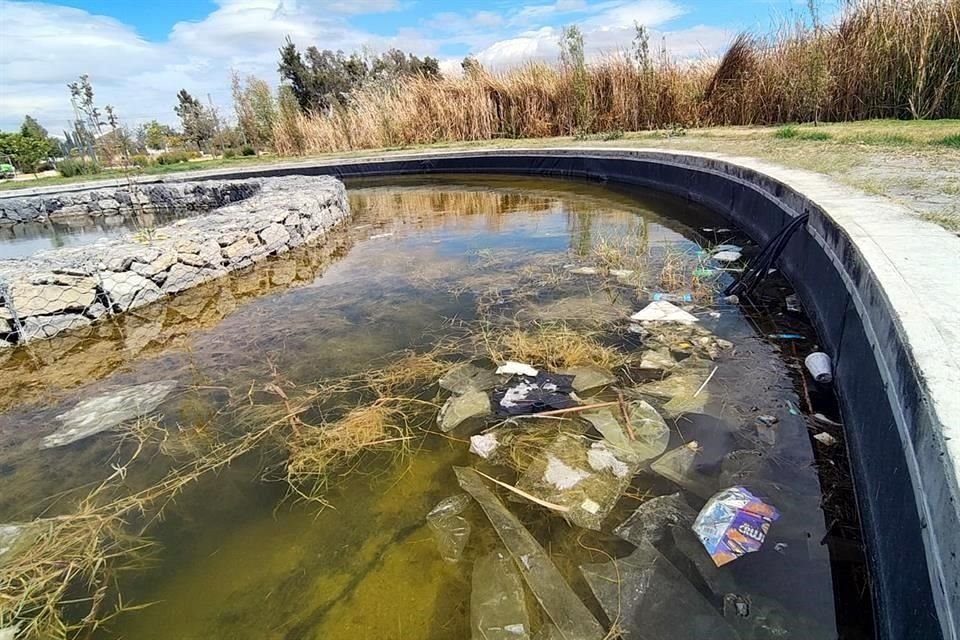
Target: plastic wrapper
(525, 395)
(468, 377)
(498, 610)
(733, 523)
(648, 597)
(451, 530)
(561, 604)
(575, 473)
(650, 433)
(653, 520)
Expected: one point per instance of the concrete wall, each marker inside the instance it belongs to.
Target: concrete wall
(67, 289)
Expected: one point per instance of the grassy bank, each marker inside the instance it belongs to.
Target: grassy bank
(915, 162)
(881, 59)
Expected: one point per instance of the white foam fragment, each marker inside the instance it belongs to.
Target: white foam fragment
(561, 475)
(601, 459)
(484, 445)
(663, 311)
(727, 256)
(512, 368)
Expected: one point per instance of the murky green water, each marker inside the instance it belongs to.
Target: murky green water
(425, 260)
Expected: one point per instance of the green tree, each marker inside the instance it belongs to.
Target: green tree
(156, 136)
(255, 108)
(197, 123)
(32, 128)
(574, 62)
(26, 152)
(471, 67)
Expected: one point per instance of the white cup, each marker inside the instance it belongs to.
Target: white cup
(819, 366)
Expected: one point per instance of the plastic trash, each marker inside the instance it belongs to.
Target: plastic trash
(458, 409)
(672, 297)
(650, 433)
(793, 303)
(684, 390)
(106, 411)
(657, 361)
(484, 445)
(663, 311)
(498, 610)
(561, 604)
(548, 632)
(377, 236)
(653, 519)
(680, 467)
(566, 477)
(468, 377)
(526, 395)
(785, 336)
(825, 439)
(451, 530)
(727, 256)
(647, 597)
(512, 368)
(583, 271)
(10, 633)
(733, 523)
(819, 366)
(589, 377)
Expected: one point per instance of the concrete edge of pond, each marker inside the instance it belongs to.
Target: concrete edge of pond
(884, 293)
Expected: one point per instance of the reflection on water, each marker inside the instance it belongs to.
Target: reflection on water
(27, 238)
(423, 259)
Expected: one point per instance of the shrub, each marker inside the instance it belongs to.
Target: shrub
(173, 157)
(248, 150)
(786, 132)
(949, 141)
(229, 153)
(140, 160)
(77, 167)
(616, 134)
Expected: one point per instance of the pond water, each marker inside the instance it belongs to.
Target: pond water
(256, 542)
(27, 238)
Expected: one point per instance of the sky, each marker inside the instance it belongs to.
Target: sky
(139, 53)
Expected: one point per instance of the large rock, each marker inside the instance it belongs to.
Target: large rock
(166, 260)
(275, 237)
(183, 276)
(30, 299)
(39, 327)
(128, 290)
(246, 247)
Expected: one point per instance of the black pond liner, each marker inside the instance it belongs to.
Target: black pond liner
(816, 262)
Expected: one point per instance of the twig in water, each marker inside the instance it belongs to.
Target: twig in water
(524, 494)
(705, 382)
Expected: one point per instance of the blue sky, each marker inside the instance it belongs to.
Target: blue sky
(139, 53)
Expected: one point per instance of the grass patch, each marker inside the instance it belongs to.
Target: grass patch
(554, 346)
(886, 140)
(945, 220)
(952, 141)
(791, 132)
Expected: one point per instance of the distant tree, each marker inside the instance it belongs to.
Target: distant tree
(471, 67)
(295, 73)
(197, 123)
(255, 108)
(156, 136)
(26, 152)
(573, 59)
(32, 128)
(321, 80)
(89, 123)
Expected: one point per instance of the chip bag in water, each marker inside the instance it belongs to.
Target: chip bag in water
(733, 523)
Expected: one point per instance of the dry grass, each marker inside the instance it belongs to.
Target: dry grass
(316, 452)
(554, 346)
(882, 59)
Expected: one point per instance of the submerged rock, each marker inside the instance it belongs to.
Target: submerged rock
(589, 377)
(106, 411)
(459, 409)
(468, 377)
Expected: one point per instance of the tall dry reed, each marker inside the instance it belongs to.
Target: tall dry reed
(881, 59)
